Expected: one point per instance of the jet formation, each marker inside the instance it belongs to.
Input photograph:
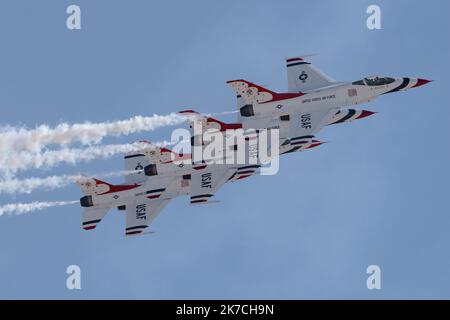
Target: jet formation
(156, 175)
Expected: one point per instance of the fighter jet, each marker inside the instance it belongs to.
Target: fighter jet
(141, 202)
(158, 174)
(313, 100)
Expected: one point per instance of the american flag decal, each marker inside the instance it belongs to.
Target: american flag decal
(352, 92)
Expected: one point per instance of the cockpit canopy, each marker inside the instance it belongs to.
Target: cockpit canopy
(374, 81)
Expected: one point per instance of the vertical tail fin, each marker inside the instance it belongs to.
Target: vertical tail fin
(92, 186)
(92, 215)
(87, 185)
(201, 124)
(208, 123)
(159, 155)
(255, 94)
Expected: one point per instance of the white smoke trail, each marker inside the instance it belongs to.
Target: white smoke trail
(20, 208)
(28, 185)
(13, 186)
(222, 113)
(12, 163)
(13, 139)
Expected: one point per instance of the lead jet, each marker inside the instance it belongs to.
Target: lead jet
(312, 101)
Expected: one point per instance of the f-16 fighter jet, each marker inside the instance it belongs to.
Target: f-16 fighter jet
(141, 202)
(211, 124)
(313, 100)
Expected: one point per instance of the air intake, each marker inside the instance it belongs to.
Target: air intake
(247, 111)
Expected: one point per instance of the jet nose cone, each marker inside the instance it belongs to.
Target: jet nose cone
(315, 143)
(365, 113)
(421, 82)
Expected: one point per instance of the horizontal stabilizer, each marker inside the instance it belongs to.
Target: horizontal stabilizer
(208, 123)
(93, 186)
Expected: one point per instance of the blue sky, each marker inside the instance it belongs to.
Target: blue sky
(376, 194)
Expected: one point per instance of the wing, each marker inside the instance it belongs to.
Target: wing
(294, 126)
(140, 212)
(252, 93)
(269, 122)
(146, 206)
(303, 76)
(206, 183)
(303, 126)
